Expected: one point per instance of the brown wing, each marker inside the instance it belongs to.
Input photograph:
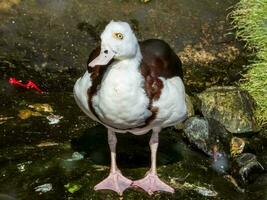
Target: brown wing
(159, 60)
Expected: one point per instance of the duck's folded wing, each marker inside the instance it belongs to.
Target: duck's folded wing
(160, 60)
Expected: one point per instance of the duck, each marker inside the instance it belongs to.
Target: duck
(132, 87)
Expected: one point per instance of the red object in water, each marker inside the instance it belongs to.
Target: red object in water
(14, 81)
(30, 84)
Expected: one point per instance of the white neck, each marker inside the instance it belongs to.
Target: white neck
(121, 87)
(138, 57)
(132, 61)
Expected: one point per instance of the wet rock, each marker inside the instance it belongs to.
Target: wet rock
(205, 134)
(247, 168)
(211, 137)
(197, 132)
(231, 106)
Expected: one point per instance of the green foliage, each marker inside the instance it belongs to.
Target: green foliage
(250, 20)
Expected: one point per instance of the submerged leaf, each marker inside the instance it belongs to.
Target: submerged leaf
(45, 107)
(72, 187)
(26, 113)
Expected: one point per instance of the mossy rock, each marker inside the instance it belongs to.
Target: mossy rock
(231, 106)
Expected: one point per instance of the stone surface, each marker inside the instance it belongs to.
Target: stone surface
(247, 168)
(197, 132)
(205, 134)
(231, 106)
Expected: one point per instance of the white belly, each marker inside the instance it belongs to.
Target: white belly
(122, 102)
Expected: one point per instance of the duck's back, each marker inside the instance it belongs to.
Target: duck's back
(160, 59)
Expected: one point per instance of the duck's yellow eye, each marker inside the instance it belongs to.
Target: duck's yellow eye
(118, 36)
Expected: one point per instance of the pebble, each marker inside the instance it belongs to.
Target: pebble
(44, 188)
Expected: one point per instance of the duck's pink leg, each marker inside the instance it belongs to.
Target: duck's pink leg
(115, 180)
(151, 182)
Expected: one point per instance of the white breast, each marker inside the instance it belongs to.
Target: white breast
(121, 101)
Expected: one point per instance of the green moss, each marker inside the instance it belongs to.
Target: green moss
(250, 20)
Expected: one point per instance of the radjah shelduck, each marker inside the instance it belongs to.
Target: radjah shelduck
(132, 87)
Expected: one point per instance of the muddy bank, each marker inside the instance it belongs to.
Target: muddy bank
(54, 38)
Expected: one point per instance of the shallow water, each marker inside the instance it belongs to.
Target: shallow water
(49, 42)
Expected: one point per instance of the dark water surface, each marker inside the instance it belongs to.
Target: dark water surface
(48, 41)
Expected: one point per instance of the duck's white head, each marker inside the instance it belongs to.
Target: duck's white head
(117, 42)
